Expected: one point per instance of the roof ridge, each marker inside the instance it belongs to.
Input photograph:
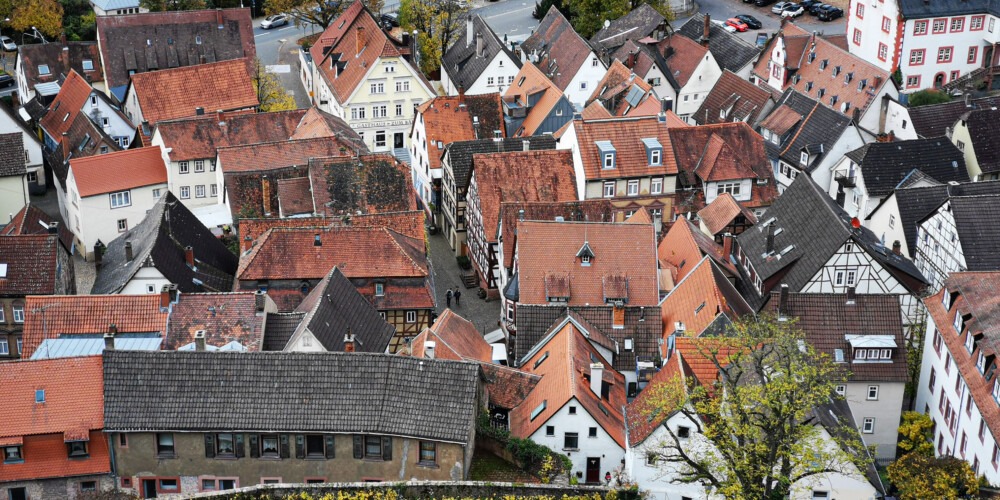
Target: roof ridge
(801, 125)
(402, 250)
(280, 141)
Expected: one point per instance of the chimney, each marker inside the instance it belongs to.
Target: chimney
(769, 249)
(468, 31)
(349, 341)
(360, 39)
(851, 295)
(597, 378)
(317, 241)
(165, 297)
(172, 292)
(109, 341)
(128, 251)
(54, 228)
(220, 116)
(218, 17)
(461, 93)
(783, 302)
(265, 187)
(199, 111)
(897, 248)
(258, 300)
(189, 256)
(429, 349)
(706, 30)
(98, 255)
(525, 145)
(727, 245)
(199, 340)
(479, 45)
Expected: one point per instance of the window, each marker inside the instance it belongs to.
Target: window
(122, 225)
(957, 24)
(399, 110)
(857, 32)
(932, 380)
(402, 86)
(165, 445)
(380, 139)
(379, 111)
(886, 24)
(860, 11)
(959, 323)
(996, 449)
(976, 23)
(214, 190)
(732, 188)
(633, 187)
(954, 75)
(156, 193)
(593, 61)
(185, 192)
(820, 495)
(841, 389)
(490, 81)
(883, 51)
(411, 316)
(804, 158)
(939, 25)
(656, 185)
(609, 160)
(973, 54)
(654, 157)
(947, 362)
(965, 443)
(920, 28)
(358, 113)
(944, 55)
(43, 69)
(609, 189)
(428, 452)
(683, 432)
(868, 426)
(121, 199)
(184, 167)
(269, 446)
(199, 166)
(225, 445)
(970, 342)
(18, 313)
(377, 88)
(316, 446)
(12, 454)
(651, 458)
(937, 341)
(199, 191)
(981, 362)
(211, 165)
(916, 57)
(550, 430)
(592, 432)
(872, 392)
(572, 410)
(168, 485)
(851, 275)
(571, 441)
(77, 449)
(379, 289)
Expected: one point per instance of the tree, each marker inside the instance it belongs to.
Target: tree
(45, 15)
(918, 476)
(915, 433)
(759, 417)
(318, 12)
(271, 94)
(542, 8)
(79, 20)
(437, 23)
(589, 15)
(928, 96)
(165, 5)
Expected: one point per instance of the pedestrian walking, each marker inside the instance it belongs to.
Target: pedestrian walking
(458, 297)
(447, 297)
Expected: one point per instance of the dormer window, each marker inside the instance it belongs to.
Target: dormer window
(804, 158)
(585, 260)
(981, 362)
(12, 454)
(959, 322)
(654, 151)
(379, 289)
(585, 254)
(43, 69)
(872, 348)
(970, 342)
(607, 153)
(946, 298)
(823, 63)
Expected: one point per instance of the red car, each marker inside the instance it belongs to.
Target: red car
(736, 24)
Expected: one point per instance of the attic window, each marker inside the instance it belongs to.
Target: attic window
(862, 84)
(197, 39)
(821, 93)
(586, 254)
(809, 86)
(40, 396)
(521, 81)
(823, 64)
(812, 57)
(541, 360)
(170, 41)
(43, 69)
(607, 153)
(628, 344)
(539, 409)
(88, 65)
(836, 70)
(848, 78)
(3, 270)
(833, 100)
(654, 151)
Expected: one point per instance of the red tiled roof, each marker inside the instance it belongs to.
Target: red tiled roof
(177, 92)
(721, 212)
(295, 196)
(721, 163)
(683, 56)
(290, 253)
(534, 81)
(225, 317)
(698, 353)
(625, 135)
(508, 387)
(31, 264)
(528, 176)
(594, 111)
(578, 211)
(72, 96)
(699, 298)
(48, 317)
(407, 223)
(732, 99)
(565, 375)
(456, 338)
(678, 252)
(667, 389)
(781, 120)
(32, 220)
(641, 216)
(618, 83)
(200, 137)
(694, 145)
(546, 248)
(280, 154)
(45, 457)
(74, 396)
(449, 119)
(371, 183)
(104, 173)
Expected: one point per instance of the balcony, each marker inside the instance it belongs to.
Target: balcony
(845, 179)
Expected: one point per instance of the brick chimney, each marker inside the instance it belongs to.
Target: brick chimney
(349, 341)
(128, 251)
(597, 378)
(165, 297)
(769, 242)
(727, 245)
(218, 18)
(189, 256)
(265, 188)
(851, 295)
(199, 340)
(706, 30)
(259, 300)
(783, 303)
(360, 39)
(109, 337)
(53, 227)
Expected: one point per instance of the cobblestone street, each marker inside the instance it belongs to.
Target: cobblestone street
(484, 315)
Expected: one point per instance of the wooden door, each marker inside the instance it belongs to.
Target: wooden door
(593, 470)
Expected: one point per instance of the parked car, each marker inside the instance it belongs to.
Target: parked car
(779, 7)
(736, 23)
(8, 44)
(750, 21)
(6, 80)
(390, 20)
(725, 26)
(274, 21)
(807, 4)
(830, 14)
(792, 10)
(814, 10)
(762, 3)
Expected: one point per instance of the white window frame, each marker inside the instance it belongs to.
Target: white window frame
(656, 185)
(411, 316)
(120, 199)
(609, 189)
(632, 188)
(199, 166)
(199, 191)
(609, 160)
(841, 389)
(214, 190)
(868, 425)
(184, 167)
(872, 391)
(122, 225)
(655, 157)
(18, 314)
(376, 88)
(185, 192)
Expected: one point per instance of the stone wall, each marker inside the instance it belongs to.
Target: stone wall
(415, 489)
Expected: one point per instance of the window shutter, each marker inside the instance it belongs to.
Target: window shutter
(209, 445)
(283, 448)
(386, 448)
(329, 442)
(240, 451)
(300, 446)
(359, 447)
(254, 446)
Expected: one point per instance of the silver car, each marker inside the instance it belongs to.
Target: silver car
(274, 21)
(779, 7)
(8, 44)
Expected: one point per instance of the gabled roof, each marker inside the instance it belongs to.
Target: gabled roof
(418, 398)
(639, 23)
(916, 203)
(729, 50)
(723, 151)
(199, 137)
(463, 65)
(32, 220)
(12, 160)
(72, 96)
(279, 328)
(410, 223)
(721, 212)
(626, 136)
(295, 197)
(885, 164)
(335, 309)
(917, 9)
(55, 316)
(782, 119)
(547, 248)
(373, 183)
(818, 131)
(978, 240)
(556, 49)
(528, 83)
(30, 265)
(179, 92)
(225, 318)
(529, 176)
(826, 318)
(267, 156)
(511, 214)
(460, 153)
(698, 354)
(319, 123)
(732, 99)
(984, 128)
(934, 120)
(60, 59)
(102, 174)
(565, 376)
(448, 119)
(641, 58)
(683, 56)
(456, 337)
(701, 296)
(159, 241)
(813, 227)
(623, 94)
(162, 40)
(83, 139)
(668, 388)
(678, 252)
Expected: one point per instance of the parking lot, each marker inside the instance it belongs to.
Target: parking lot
(720, 10)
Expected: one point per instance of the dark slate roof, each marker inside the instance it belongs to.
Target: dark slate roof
(836, 417)
(12, 154)
(159, 241)
(916, 9)
(278, 328)
(461, 62)
(819, 129)
(460, 153)
(290, 392)
(916, 203)
(979, 240)
(933, 120)
(336, 308)
(885, 164)
(984, 129)
(812, 227)
(730, 51)
(637, 24)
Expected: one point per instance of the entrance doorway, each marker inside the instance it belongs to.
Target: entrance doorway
(397, 140)
(593, 470)
(148, 488)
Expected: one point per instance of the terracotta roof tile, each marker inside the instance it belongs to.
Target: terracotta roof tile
(683, 56)
(60, 59)
(407, 223)
(200, 137)
(371, 183)
(177, 92)
(449, 119)
(47, 456)
(508, 387)
(693, 147)
(698, 354)
(732, 99)
(319, 123)
(102, 173)
(72, 96)
(225, 317)
(626, 137)
(781, 120)
(456, 336)
(619, 249)
(594, 111)
(48, 317)
(641, 216)
(82, 139)
(621, 93)
(32, 220)
(295, 196)
(576, 211)
(529, 81)
(559, 49)
(699, 298)
(262, 157)
(565, 375)
(668, 387)
(721, 212)
(528, 176)
(31, 265)
(721, 163)
(678, 252)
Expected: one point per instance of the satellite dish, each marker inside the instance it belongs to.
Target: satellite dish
(607, 23)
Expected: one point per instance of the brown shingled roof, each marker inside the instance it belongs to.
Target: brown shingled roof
(529, 81)
(279, 154)
(409, 223)
(683, 56)
(718, 214)
(72, 96)
(60, 59)
(560, 50)
(178, 92)
(295, 196)
(577, 211)
(732, 99)
(618, 85)
(200, 137)
(625, 135)
(781, 120)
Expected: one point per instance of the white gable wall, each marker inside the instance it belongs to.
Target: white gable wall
(603, 446)
(585, 81)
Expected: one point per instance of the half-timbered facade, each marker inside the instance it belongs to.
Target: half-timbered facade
(957, 237)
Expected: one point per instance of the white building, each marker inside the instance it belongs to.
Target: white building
(959, 387)
(564, 57)
(34, 167)
(956, 238)
(116, 7)
(478, 62)
(694, 70)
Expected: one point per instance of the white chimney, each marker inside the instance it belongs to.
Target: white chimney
(429, 349)
(199, 340)
(468, 31)
(596, 377)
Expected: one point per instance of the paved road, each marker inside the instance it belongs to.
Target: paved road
(720, 10)
(484, 315)
(277, 48)
(508, 17)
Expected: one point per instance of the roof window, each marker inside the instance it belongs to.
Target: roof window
(539, 409)
(43, 69)
(40, 395)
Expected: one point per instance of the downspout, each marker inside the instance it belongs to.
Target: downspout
(111, 457)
